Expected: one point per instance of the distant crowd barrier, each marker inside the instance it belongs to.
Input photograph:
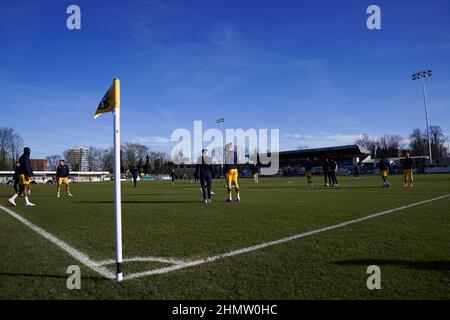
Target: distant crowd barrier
(48, 176)
(437, 170)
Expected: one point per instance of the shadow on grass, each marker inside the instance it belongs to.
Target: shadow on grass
(157, 194)
(303, 187)
(49, 276)
(142, 202)
(433, 265)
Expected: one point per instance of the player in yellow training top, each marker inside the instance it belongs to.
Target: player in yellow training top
(231, 162)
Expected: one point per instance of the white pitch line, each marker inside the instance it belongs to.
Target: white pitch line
(275, 242)
(78, 255)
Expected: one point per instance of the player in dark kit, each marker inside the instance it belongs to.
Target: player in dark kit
(255, 173)
(325, 171)
(62, 177)
(17, 188)
(196, 178)
(173, 176)
(356, 171)
(332, 168)
(25, 174)
(134, 175)
(408, 169)
(204, 169)
(308, 172)
(384, 167)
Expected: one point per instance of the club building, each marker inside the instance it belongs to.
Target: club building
(292, 162)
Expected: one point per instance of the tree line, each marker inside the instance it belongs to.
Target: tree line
(148, 162)
(393, 145)
(100, 159)
(11, 147)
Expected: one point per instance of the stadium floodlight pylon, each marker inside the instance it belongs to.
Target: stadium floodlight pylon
(422, 75)
(220, 122)
(111, 103)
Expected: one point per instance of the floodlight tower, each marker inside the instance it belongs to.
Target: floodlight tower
(422, 75)
(220, 122)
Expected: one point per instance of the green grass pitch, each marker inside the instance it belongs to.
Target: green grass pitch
(411, 246)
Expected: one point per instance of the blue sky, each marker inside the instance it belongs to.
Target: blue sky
(310, 68)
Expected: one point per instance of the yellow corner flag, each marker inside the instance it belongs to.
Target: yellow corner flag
(111, 99)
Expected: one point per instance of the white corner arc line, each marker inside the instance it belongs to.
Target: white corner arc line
(275, 242)
(142, 259)
(78, 255)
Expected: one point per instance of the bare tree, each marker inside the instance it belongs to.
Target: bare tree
(418, 144)
(16, 147)
(134, 155)
(159, 162)
(73, 159)
(369, 143)
(106, 159)
(6, 135)
(94, 162)
(176, 157)
(438, 140)
(11, 145)
(52, 161)
(218, 154)
(390, 145)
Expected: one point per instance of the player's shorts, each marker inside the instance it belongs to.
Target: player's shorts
(407, 172)
(309, 173)
(63, 180)
(385, 173)
(23, 180)
(232, 175)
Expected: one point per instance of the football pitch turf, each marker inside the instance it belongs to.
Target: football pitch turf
(179, 248)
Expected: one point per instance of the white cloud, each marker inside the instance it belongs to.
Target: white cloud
(294, 140)
(154, 140)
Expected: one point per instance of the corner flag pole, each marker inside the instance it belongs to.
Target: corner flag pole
(117, 187)
(111, 103)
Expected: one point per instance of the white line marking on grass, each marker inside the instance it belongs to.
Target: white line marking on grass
(78, 255)
(142, 259)
(275, 242)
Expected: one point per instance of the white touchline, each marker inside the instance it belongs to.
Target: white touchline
(275, 242)
(78, 255)
(98, 266)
